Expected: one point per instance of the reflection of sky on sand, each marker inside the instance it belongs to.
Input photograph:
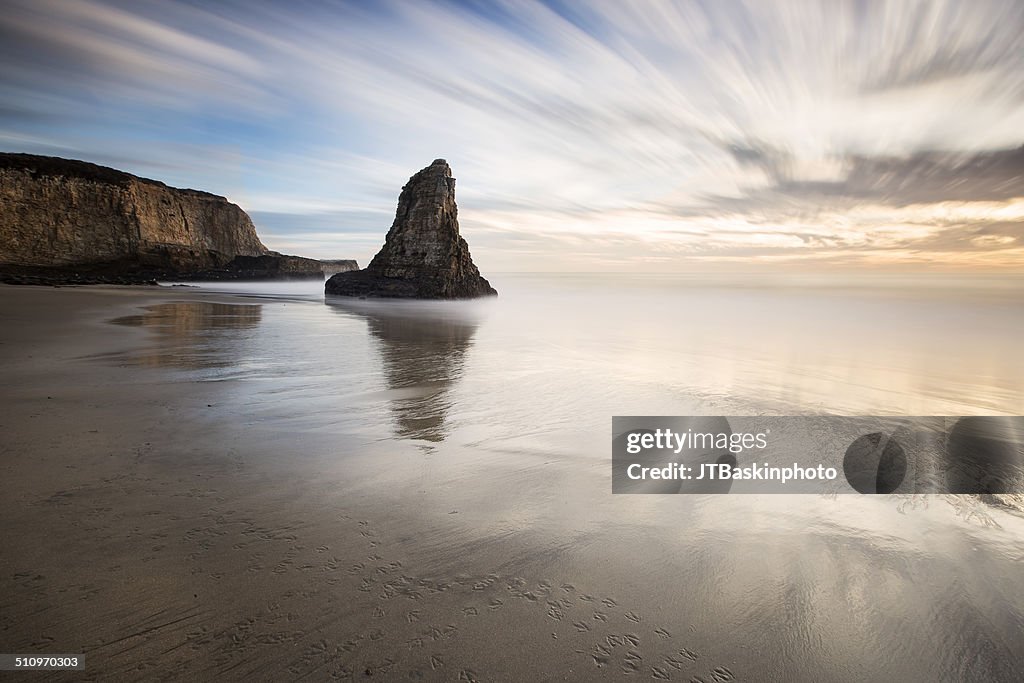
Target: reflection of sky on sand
(552, 358)
(918, 348)
(501, 410)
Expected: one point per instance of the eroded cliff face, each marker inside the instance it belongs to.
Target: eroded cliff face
(423, 256)
(332, 266)
(59, 213)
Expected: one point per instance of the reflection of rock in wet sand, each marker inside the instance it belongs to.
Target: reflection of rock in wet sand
(192, 333)
(422, 348)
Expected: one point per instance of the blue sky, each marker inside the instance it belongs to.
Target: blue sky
(640, 136)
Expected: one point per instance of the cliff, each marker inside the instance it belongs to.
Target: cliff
(332, 266)
(65, 216)
(423, 256)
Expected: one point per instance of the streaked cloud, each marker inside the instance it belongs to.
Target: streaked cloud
(608, 135)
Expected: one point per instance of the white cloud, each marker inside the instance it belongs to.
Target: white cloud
(555, 128)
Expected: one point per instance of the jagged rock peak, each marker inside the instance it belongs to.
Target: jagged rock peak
(423, 255)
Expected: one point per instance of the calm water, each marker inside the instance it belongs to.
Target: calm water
(501, 409)
(657, 345)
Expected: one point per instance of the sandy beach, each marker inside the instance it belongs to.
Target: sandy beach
(148, 529)
(172, 514)
(512, 342)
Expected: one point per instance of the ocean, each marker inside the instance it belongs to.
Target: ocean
(480, 432)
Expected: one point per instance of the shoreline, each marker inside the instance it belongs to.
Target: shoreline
(170, 516)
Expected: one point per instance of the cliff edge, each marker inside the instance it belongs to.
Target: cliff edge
(72, 217)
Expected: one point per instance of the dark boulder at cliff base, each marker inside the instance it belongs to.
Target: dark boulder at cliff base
(423, 256)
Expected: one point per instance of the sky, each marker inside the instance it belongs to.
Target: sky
(585, 136)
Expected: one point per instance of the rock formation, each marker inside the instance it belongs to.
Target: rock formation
(423, 256)
(73, 219)
(268, 266)
(332, 266)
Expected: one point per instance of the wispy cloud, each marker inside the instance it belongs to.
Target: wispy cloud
(606, 135)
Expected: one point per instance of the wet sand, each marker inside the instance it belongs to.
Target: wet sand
(166, 529)
(148, 531)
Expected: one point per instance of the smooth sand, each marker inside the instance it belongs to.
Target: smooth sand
(145, 528)
(156, 525)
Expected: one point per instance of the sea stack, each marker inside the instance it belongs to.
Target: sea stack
(423, 256)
